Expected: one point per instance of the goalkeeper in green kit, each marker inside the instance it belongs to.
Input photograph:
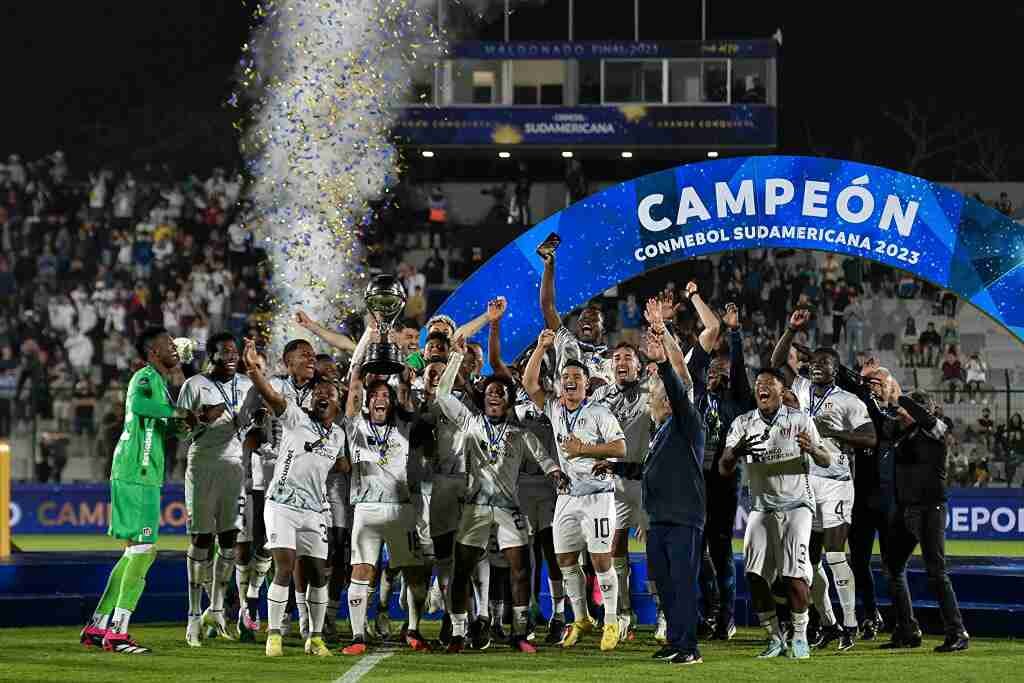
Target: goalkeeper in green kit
(135, 481)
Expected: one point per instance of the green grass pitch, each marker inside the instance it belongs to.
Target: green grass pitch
(49, 654)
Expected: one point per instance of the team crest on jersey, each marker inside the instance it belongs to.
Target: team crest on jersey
(147, 531)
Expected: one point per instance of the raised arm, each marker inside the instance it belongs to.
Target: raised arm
(780, 355)
(451, 407)
(495, 310)
(547, 295)
(531, 375)
(467, 330)
(711, 333)
(682, 409)
(654, 315)
(335, 339)
(739, 383)
(353, 406)
(254, 364)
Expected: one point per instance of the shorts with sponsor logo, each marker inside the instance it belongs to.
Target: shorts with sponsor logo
(375, 524)
(511, 527)
(834, 502)
(303, 531)
(445, 504)
(537, 501)
(134, 512)
(775, 544)
(584, 522)
(214, 497)
(629, 507)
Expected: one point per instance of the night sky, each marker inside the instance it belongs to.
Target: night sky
(120, 76)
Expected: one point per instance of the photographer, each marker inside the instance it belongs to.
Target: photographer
(920, 517)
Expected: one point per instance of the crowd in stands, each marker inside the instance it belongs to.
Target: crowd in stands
(89, 257)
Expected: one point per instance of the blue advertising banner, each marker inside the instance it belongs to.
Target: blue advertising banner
(614, 49)
(82, 509)
(754, 202)
(627, 124)
(85, 509)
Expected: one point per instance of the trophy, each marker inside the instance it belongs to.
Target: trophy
(385, 300)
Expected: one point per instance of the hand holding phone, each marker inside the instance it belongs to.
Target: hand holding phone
(547, 248)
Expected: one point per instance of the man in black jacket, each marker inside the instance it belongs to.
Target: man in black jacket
(920, 517)
(673, 497)
(724, 396)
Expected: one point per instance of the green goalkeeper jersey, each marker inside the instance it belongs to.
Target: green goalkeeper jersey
(139, 455)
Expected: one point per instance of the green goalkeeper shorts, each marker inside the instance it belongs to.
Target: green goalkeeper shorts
(135, 512)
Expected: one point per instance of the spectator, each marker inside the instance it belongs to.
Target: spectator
(437, 217)
(416, 306)
(410, 278)
(929, 344)
(949, 302)
(80, 351)
(52, 457)
(941, 415)
(1010, 441)
(952, 376)
(958, 466)
(906, 287)
(909, 345)
(630, 320)
(520, 213)
(8, 388)
(1004, 205)
(951, 333)
(84, 407)
(855, 315)
(983, 429)
(433, 268)
(976, 374)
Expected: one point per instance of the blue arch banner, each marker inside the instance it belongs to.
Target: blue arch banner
(755, 202)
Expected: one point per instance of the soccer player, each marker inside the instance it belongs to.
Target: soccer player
(311, 446)
(777, 445)
(628, 398)
(720, 399)
(586, 344)
(843, 422)
(214, 482)
(585, 513)
(136, 477)
(380, 447)
(494, 450)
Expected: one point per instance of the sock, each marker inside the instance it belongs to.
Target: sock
(621, 567)
(105, 607)
(277, 601)
(520, 619)
(223, 566)
(609, 584)
(459, 623)
(497, 609)
(316, 600)
(845, 586)
(415, 597)
(119, 622)
(133, 582)
(481, 582)
(358, 595)
(770, 622)
(242, 572)
(819, 596)
(198, 566)
(386, 584)
(652, 590)
(557, 589)
(576, 591)
(444, 579)
(259, 567)
(300, 605)
(799, 625)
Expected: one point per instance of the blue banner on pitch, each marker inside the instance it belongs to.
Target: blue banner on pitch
(82, 509)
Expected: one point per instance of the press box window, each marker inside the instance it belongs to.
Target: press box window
(476, 81)
(632, 81)
(538, 81)
(698, 80)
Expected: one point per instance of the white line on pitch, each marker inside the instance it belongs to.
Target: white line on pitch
(363, 667)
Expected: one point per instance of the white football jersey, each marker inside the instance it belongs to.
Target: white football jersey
(629, 405)
(778, 477)
(568, 347)
(841, 411)
(591, 423)
(533, 420)
(221, 439)
(449, 457)
(306, 455)
(380, 460)
(494, 455)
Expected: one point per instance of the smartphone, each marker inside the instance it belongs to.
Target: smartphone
(548, 246)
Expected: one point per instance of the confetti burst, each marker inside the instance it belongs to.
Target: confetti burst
(323, 79)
